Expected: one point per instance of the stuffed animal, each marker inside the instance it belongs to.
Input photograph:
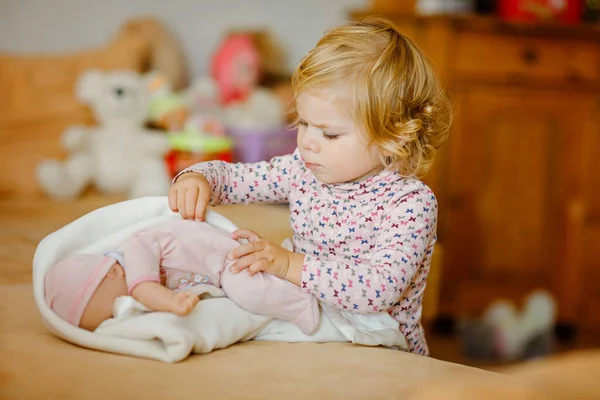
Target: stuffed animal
(507, 334)
(118, 155)
(166, 51)
(168, 110)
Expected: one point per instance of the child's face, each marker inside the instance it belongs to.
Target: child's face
(334, 148)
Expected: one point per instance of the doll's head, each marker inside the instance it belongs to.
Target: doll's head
(82, 289)
(386, 86)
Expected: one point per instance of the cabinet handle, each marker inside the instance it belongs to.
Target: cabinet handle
(530, 56)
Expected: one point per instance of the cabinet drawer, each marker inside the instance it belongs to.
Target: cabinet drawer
(510, 58)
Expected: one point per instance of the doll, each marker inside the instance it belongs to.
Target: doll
(156, 266)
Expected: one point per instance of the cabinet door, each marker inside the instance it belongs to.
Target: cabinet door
(514, 171)
(589, 298)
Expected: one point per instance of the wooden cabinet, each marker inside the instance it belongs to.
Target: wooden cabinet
(514, 172)
(517, 184)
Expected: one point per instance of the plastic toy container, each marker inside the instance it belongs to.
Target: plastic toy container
(259, 145)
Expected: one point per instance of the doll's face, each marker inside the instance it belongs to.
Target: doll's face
(100, 306)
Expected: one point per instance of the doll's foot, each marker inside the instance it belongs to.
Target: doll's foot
(308, 320)
(184, 302)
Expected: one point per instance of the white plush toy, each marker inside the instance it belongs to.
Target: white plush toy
(514, 330)
(118, 155)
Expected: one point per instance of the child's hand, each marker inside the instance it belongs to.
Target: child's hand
(261, 255)
(190, 196)
(184, 302)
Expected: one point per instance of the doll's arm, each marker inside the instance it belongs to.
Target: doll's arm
(142, 257)
(75, 138)
(159, 298)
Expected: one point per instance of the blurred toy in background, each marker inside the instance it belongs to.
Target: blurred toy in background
(166, 52)
(261, 110)
(235, 68)
(260, 62)
(202, 139)
(504, 334)
(118, 155)
(202, 97)
(557, 11)
(251, 146)
(272, 56)
(205, 124)
(249, 68)
(274, 72)
(430, 7)
(239, 112)
(167, 110)
(258, 128)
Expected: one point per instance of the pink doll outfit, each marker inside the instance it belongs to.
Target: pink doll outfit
(178, 254)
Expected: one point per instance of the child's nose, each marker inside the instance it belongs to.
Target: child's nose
(309, 140)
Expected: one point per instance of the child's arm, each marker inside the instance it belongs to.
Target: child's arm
(404, 247)
(159, 298)
(266, 181)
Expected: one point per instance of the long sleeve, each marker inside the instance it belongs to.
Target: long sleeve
(402, 250)
(142, 254)
(266, 181)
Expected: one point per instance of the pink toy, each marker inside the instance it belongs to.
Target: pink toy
(236, 68)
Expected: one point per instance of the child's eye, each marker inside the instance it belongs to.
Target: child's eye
(327, 136)
(302, 123)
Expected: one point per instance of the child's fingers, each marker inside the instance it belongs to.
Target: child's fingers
(246, 261)
(259, 266)
(173, 199)
(246, 249)
(191, 196)
(248, 234)
(181, 203)
(201, 204)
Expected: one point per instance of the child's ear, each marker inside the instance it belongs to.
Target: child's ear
(116, 271)
(386, 153)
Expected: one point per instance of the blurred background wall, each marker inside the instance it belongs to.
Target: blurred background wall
(67, 25)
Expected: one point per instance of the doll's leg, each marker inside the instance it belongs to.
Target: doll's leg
(268, 295)
(65, 180)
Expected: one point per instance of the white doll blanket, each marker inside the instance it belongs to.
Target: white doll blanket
(215, 323)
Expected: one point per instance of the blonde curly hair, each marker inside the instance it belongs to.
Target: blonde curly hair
(394, 93)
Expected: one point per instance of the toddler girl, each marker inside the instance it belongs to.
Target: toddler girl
(156, 266)
(370, 116)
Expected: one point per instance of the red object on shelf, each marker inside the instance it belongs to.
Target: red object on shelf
(177, 161)
(562, 11)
